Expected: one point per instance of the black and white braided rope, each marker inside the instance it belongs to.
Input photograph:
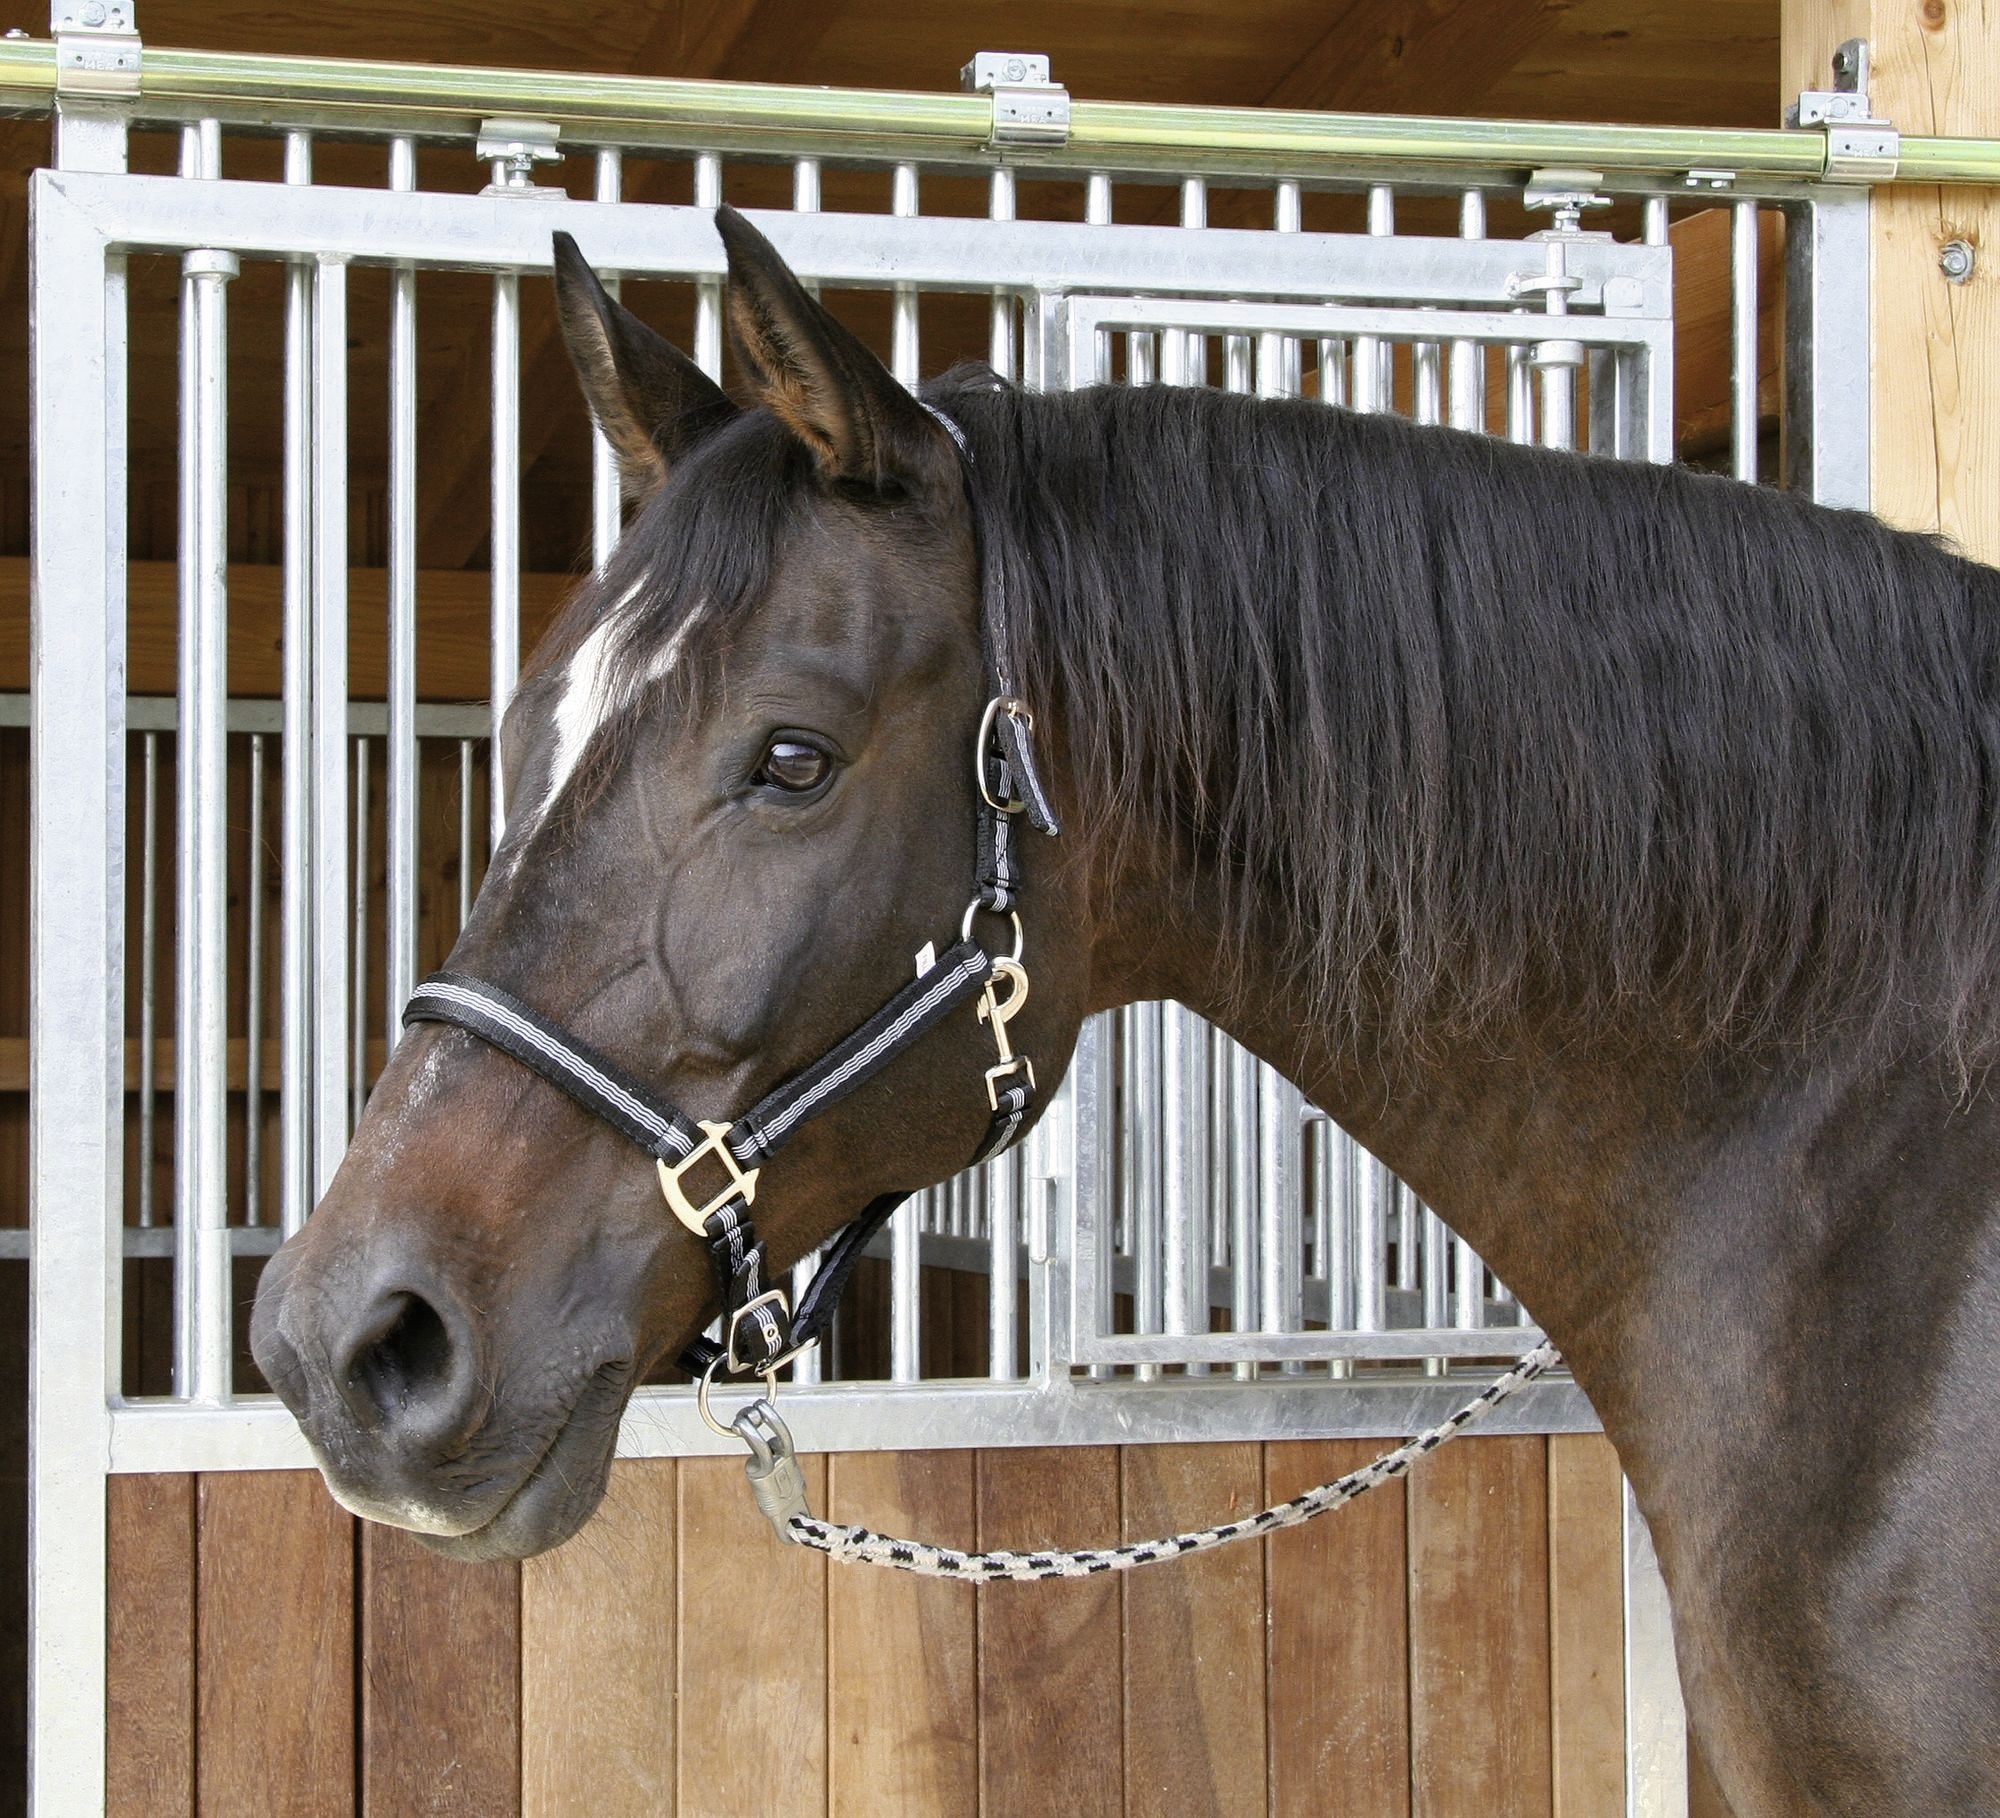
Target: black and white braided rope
(857, 1545)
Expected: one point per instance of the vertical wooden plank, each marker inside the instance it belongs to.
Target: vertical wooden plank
(1050, 1655)
(1934, 365)
(1194, 1637)
(1338, 1595)
(1586, 1627)
(752, 1653)
(902, 1695)
(1479, 1630)
(440, 1681)
(150, 1647)
(275, 1648)
(599, 1613)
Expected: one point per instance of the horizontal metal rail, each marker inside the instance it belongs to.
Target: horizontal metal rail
(449, 102)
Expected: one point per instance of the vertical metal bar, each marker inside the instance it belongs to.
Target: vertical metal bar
(1468, 1288)
(1278, 355)
(1281, 1243)
(906, 1258)
(1406, 1236)
(1097, 213)
(607, 498)
(1372, 1187)
(399, 908)
(1427, 382)
(1243, 1252)
(1434, 1277)
(1520, 394)
(1145, 1138)
(1656, 1771)
(707, 292)
(328, 872)
(1468, 358)
(1000, 206)
(1743, 340)
(464, 831)
(1333, 1164)
(506, 538)
(806, 186)
(1553, 357)
(1653, 221)
(295, 975)
(1373, 378)
(1184, 1079)
(1003, 1249)
(76, 955)
(149, 969)
(1221, 1149)
(253, 999)
(358, 1078)
(202, 1349)
(1827, 304)
(905, 360)
(1193, 348)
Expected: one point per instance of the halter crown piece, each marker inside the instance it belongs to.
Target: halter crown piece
(708, 1171)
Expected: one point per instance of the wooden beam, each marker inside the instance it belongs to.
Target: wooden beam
(1934, 358)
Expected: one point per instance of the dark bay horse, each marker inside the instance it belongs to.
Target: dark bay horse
(1611, 849)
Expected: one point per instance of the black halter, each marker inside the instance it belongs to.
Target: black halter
(761, 1330)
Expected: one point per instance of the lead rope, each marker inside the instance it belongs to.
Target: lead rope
(780, 1488)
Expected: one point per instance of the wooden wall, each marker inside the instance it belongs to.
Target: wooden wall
(1449, 1648)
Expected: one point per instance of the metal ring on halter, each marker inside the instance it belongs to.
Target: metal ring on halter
(701, 1396)
(975, 908)
(1014, 710)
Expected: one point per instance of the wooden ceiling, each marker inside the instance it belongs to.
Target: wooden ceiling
(1691, 62)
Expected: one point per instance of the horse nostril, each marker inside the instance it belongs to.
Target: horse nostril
(409, 1359)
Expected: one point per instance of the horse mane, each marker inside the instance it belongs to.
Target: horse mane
(1472, 729)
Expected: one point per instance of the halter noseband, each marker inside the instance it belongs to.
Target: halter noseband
(761, 1330)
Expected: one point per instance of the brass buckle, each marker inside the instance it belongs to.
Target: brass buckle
(770, 1297)
(741, 1184)
(999, 1012)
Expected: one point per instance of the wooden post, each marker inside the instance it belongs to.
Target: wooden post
(1934, 368)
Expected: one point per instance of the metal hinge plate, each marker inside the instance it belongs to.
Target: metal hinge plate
(1860, 146)
(98, 53)
(1028, 108)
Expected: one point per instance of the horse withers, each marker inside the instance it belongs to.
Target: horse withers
(1635, 894)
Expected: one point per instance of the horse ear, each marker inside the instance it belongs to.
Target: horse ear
(652, 402)
(818, 379)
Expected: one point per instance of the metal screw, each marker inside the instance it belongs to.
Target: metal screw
(1017, 70)
(93, 14)
(1956, 259)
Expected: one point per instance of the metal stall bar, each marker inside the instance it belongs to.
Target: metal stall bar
(357, 1092)
(149, 970)
(905, 357)
(708, 293)
(1743, 340)
(1280, 1206)
(506, 538)
(607, 517)
(1827, 305)
(1467, 359)
(202, 1312)
(1185, 1166)
(76, 978)
(1000, 205)
(400, 905)
(253, 998)
(296, 1175)
(1371, 389)
(328, 870)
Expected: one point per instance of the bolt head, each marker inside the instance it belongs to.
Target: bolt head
(1017, 70)
(93, 13)
(1956, 259)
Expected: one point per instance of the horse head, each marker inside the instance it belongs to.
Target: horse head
(741, 801)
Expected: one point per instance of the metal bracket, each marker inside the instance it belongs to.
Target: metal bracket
(1861, 147)
(514, 148)
(1565, 194)
(98, 53)
(1028, 108)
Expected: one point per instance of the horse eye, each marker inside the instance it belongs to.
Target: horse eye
(793, 765)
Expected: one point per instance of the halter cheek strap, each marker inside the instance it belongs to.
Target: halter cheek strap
(708, 1171)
